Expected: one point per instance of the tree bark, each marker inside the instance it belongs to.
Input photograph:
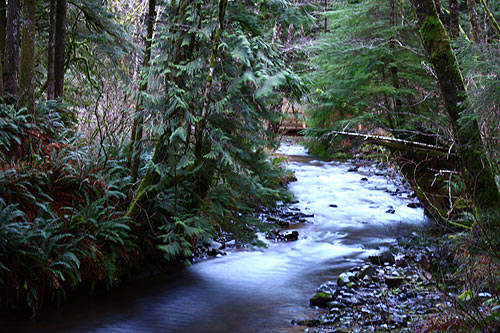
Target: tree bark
(454, 18)
(202, 146)
(479, 176)
(11, 62)
(3, 26)
(138, 121)
(27, 66)
(51, 51)
(60, 48)
(148, 188)
(325, 28)
(491, 17)
(476, 31)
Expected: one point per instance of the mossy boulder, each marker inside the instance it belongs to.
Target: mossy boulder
(321, 299)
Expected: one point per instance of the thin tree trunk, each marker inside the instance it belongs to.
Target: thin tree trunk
(491, 16)
(138, 121)
(454, 18)
(397, 104)
(147, 189)
(3, 27)
(60, 48)
(204, 178)
(439, 9)
(11, 62)
(479, 175)
(27, 66)
(476, 31)
(326, 19)
(51, 51)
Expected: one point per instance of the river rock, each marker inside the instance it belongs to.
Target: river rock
(384, 257)
(390, 211)
(321, 299)
(293, 236)
(414, 205)
(342, 279)
(367, 270)
(398, 320)
(364, 179)
(335, 304)
(333, 206)
(306, 322)
(393, 281)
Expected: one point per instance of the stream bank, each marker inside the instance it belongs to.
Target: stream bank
(344, 213)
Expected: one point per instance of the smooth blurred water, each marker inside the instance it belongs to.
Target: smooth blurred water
(255, 291)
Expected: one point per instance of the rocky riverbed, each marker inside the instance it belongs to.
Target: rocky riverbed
(388, 293)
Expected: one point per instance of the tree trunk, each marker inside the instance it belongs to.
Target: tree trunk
(11, 62)
(27, 66)
(60, 48)
(491, 16)
(454, 18)
(439, 10)
(147, 189)
(325, 28)
(478, 173)
(476, 31)
(51, 51)
(397, 103)
(3, 26)
(138, 121)
(202, 146)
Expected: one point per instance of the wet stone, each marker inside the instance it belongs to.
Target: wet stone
(306, 322)
(335, 304)
(384, 257)
(344, 278)
(321, 299)
(293, 236)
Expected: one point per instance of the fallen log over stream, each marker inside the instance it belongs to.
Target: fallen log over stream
(399, 144)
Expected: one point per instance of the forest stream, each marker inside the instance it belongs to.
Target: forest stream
(357, 212)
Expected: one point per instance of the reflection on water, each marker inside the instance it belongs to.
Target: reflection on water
(255, 291)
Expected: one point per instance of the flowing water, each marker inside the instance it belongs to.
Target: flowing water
(261, 290)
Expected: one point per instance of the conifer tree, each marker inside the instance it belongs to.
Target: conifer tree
(137, 131)
(51, 51)
(476, 30)
(11, 61)
(3, 27)
(27, 62)
(60, 48)
(479, 174)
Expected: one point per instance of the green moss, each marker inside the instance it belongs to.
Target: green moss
(321, 299)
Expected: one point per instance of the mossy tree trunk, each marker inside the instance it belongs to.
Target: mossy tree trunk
(136, 136)
(475, 29)
(11, 62)
(478, 172)
(491, 17)
(27, 66)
